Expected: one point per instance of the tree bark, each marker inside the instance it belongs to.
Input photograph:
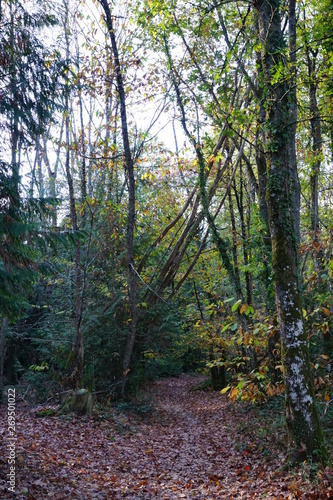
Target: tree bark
(240, 206)
(132, 287)
(316, 140)
(234, 239)
(77, 374)
(14, 117)
(305, 436)
(53, 175)
(292, 103)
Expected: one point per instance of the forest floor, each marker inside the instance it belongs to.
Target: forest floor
(177, 443)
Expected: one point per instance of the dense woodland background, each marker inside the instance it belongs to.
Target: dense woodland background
(137, 165)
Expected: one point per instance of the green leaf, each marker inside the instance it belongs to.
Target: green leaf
(236, 305)
(226, 327)
(249, 310)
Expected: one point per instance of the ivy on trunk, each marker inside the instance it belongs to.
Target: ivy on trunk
(305, 436)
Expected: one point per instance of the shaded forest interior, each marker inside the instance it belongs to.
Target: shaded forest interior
(166, 209)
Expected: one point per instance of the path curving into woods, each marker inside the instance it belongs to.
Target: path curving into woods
(195, 445)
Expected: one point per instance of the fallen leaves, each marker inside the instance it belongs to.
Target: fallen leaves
(197, 445)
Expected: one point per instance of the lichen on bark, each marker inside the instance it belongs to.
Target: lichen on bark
(304, 431)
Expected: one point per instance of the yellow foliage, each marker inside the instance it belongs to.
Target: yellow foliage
(243, 308)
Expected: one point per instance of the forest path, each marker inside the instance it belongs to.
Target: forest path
(196, 445)
(191, 451)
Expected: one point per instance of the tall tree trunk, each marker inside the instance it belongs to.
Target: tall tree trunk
(292, 103)
(14, 117)
(316, 139)
(260, 158)
(40, 181)
(89, 180)
(260, 155)
(240, 206)
(83, 173)
(234, 239)
(53, 174)
(305, 436)
(132, 287)
(77, 373)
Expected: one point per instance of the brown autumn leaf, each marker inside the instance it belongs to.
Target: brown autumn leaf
(326, 311)
(243, 308)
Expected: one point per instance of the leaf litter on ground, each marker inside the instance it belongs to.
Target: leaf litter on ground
(195, 445)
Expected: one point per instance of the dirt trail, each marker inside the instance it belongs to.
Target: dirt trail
(196, 445)
(191, 452)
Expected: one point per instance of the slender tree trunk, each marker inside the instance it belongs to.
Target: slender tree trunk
(83, 152)
(240, 206)
(262, 184)
(316, 135)
(305, 436)
(261, 167)
(234, 239)
(316, 138)
(250, 351)
(132, 287)
(77, 374)
(40, 183)
(109, 166)
(15, 177)
(316, 141)
(83, 169)
(53, 174)
(14, 118)
(292, 103)
(89, 180)
(259, 154)
(78, 348)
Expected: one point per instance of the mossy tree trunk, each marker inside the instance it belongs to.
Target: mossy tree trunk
(305, 437)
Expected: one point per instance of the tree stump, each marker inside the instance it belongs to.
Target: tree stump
(80, 402)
